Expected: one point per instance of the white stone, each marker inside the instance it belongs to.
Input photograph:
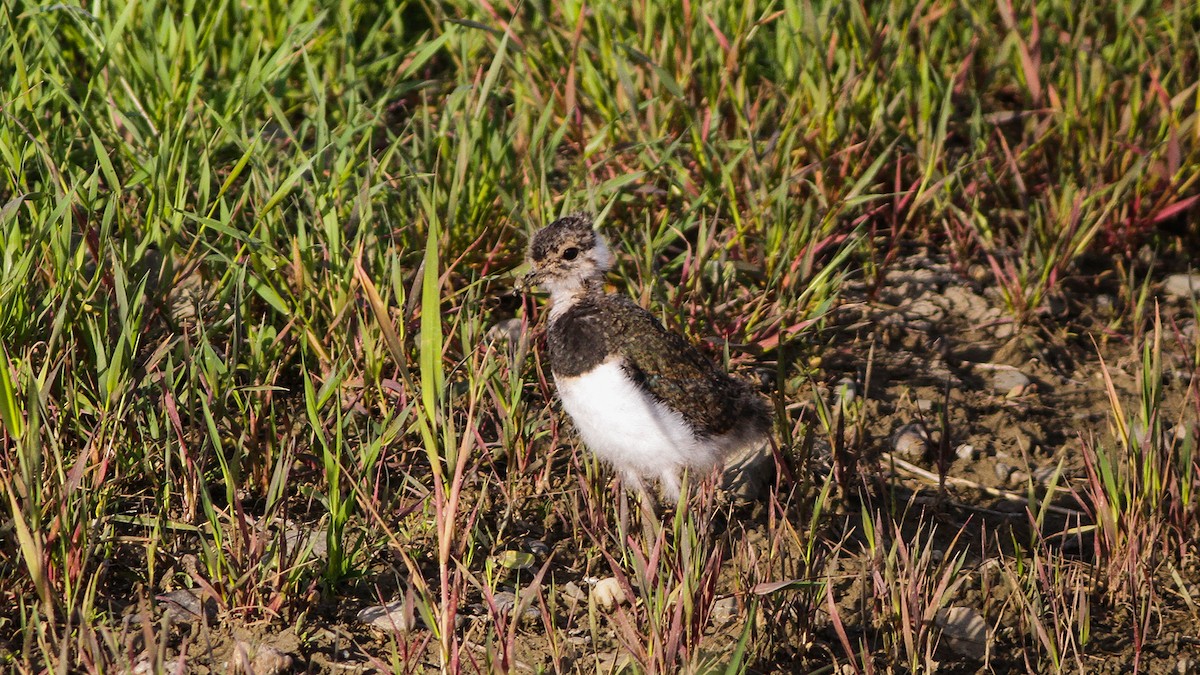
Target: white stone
(964, 631)
(1185, 286)
(608, 594)
(394, 617)
(1010, 382)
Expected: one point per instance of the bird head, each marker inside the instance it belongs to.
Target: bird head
(566, 255)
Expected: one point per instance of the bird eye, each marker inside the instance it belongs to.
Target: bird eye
(570, 254)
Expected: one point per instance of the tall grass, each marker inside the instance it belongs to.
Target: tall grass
(251, 255)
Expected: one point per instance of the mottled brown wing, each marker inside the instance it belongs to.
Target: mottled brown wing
(673, 371)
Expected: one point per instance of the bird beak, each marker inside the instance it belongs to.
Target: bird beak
(527, 281)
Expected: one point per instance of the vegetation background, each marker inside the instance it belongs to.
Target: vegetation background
(261, 364)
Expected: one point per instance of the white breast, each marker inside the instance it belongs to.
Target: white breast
(627, 427)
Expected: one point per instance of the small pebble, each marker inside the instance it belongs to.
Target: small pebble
(1182, 286)
(571, 596)
(966, 451)
(911, 440)
(725, 610)
(1003, 471)
(300, 536)
(924, 404)
(965, 631)
(395, 617)
(506, 601)
(924, 308)
(608, 593)
(1011, 383)
(188, 604)
(538, 548)
(266, 660)
(572, 591)
(1018, 478)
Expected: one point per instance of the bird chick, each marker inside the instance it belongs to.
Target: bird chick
(642, 398)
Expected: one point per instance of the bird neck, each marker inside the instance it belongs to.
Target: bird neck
(565, 296)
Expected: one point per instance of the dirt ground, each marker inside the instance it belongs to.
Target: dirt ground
(1020, 405)
(937, 371)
